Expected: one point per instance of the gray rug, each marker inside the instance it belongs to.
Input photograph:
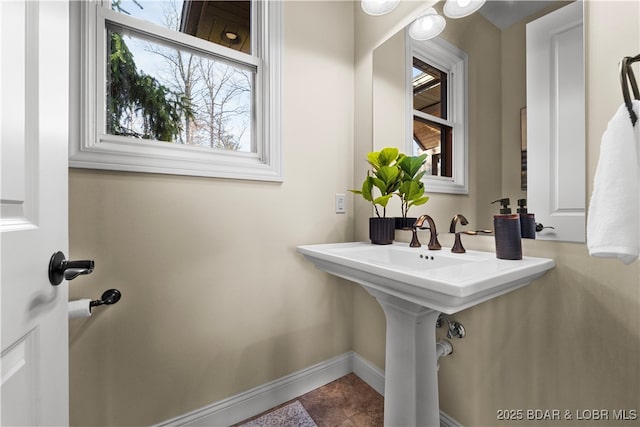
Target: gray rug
(291, 415)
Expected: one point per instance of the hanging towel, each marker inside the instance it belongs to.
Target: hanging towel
(613, 223)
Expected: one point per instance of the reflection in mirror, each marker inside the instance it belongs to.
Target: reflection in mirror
(494, 41)
(432, 137)
(556, 123)
(436, 88)
(429, 89)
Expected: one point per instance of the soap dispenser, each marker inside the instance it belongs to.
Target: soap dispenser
(527, 221)
(507, 232)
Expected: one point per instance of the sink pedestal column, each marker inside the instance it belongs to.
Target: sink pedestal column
(411, 371)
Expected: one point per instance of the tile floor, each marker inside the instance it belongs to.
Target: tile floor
(345, 402)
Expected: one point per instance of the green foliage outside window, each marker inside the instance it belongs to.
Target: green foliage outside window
(133, 95)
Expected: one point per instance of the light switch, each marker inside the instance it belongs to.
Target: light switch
(340, 204)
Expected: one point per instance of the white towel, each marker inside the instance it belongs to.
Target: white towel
(613, 223)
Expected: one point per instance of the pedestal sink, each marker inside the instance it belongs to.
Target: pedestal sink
(413, 286)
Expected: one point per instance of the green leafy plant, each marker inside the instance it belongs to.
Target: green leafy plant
(385, 176)
(411, 190)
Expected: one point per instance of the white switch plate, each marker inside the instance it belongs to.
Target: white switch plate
(340, 204)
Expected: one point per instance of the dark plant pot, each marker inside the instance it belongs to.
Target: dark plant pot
(404, 223)
(382, 231)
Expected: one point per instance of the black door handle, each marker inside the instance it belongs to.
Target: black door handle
(61, 268)
(540, 227)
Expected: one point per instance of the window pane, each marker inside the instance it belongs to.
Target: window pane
(227, 23)
(429, 89)
(156, 91)
(435, 140)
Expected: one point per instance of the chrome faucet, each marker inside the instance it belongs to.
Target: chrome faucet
(433, 245)
(457, 244)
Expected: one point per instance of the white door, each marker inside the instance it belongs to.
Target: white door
(556, 179)
(33, 191)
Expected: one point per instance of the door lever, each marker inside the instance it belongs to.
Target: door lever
(61, 268)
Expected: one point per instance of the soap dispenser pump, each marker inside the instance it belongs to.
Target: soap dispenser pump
(507, 232)
(504, 205)
(527, 221)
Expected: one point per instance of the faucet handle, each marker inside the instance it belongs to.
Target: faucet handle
(457, 244)
(476, 232)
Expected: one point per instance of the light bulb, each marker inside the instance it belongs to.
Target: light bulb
(427, 26)
(378, 7)
(461, 8)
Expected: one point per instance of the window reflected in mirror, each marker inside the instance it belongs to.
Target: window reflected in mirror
(432, 132)
(429, 89)
(433, 139)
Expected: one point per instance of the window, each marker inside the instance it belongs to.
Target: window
(436, 98)
(179, 87)
(430, 135)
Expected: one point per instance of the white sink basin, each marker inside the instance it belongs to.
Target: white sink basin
(439, 280)
(413, 285)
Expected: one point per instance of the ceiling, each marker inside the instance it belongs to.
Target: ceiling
(213, 20)
(505, 13)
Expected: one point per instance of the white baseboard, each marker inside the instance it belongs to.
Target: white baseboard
(368, 372)
(447, 421)
(257, 400)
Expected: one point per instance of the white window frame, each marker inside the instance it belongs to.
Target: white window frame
(92, 148)
(447, 58)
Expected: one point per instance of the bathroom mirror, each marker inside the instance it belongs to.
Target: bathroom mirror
(492, 159)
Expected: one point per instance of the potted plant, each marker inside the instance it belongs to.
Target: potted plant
(411, 190)
(385, 176)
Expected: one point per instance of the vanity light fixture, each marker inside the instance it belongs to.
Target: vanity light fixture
(461, 8)
(378, 7)
(427, 26)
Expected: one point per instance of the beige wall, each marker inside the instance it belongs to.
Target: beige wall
(514, 98)
(569, 341)
(215, 299)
